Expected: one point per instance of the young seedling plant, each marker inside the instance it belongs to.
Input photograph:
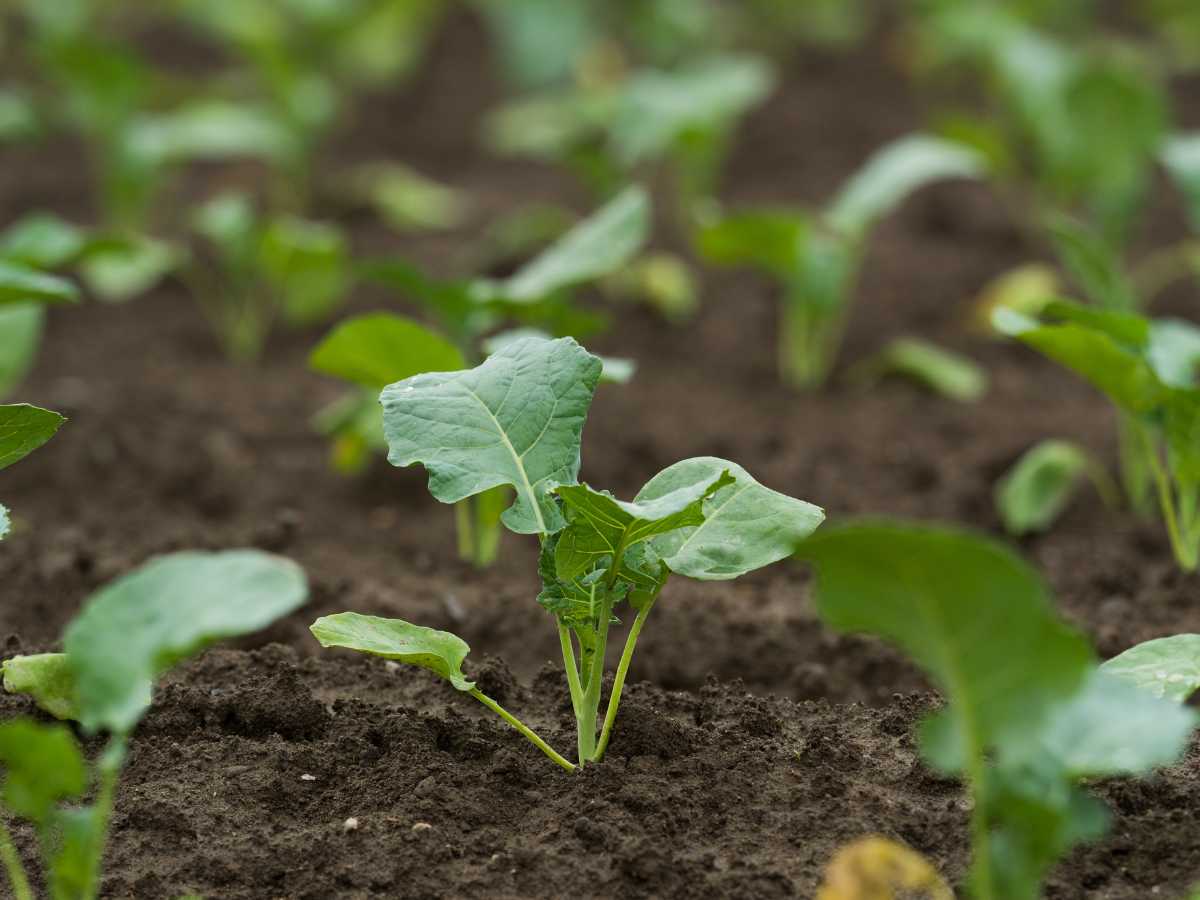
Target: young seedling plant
(1028, 713)
(815, 256)
(129, 633)
(516, 420)
(378, 349)
(23, 428)
(1150, 370)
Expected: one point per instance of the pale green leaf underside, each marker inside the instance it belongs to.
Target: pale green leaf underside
(47, 678)
(438, 651)
(1167, 667)
(24, 428)
(516, 419)
(5, 521)
(746, 525)
(1111, 728)
(136, 627)
(378, 349)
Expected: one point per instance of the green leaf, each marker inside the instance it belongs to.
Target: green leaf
(21, 284)
(1094, 265)
(893, 173)
(137, 627)
(230, 223)
(596, 246)
(770, 240)
(1174, 352)
(211, 130)
(941, 371)
(658, 108)
(377, 349)
(43, 241)
(1182, 427)
(1180, 156)
(1167, 667)
(967, 610)
(515, 419)
(746, 525)
(47, 678)
(438, 651)
(308, 264)
(408, 200)
(120, 273)
(1116, 369)
(1040, 485)
(600, 525)
(20, 334)
(42, 765)
(24, 428)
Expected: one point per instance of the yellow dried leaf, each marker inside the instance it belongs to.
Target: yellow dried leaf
(875, 868)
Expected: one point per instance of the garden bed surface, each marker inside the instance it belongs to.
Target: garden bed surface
(754, 741)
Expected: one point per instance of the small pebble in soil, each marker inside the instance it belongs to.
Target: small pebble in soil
(392, 666)
(307, 777)
(350, 824)
(421, 828)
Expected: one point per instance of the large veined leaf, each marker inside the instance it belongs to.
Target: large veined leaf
(1166, 667)
(899, 169)
(601, 525)
(377, 349)
(24, 428)
(47, 678)
(438, 651)
(22, 284)
(136, 627)
(596, 246)
(746, 525)
(516, 419)
(614, 369)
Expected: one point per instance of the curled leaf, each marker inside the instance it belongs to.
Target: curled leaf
(47, 678)
(438, 651)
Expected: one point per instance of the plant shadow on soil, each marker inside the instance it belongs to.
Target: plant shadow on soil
(754, 742)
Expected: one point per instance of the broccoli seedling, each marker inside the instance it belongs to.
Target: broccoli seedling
(516, 420)
(815, 255)
(129, 633)
(1150, 370)
(259, 268)
(1029, 715)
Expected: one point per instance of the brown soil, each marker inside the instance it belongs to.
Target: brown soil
(756, 741)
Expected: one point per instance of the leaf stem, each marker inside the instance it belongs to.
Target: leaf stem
(109, 766)
(590, 707)
(529, 734)
(568, 651)
(464, 526)
(13, 866)
(614, 700)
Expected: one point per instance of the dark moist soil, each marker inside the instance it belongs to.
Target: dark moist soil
(754, 741)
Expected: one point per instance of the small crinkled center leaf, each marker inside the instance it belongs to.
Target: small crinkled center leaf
(516, 419)
(438, 651)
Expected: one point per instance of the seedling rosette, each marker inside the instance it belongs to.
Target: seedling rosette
(516, 421)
